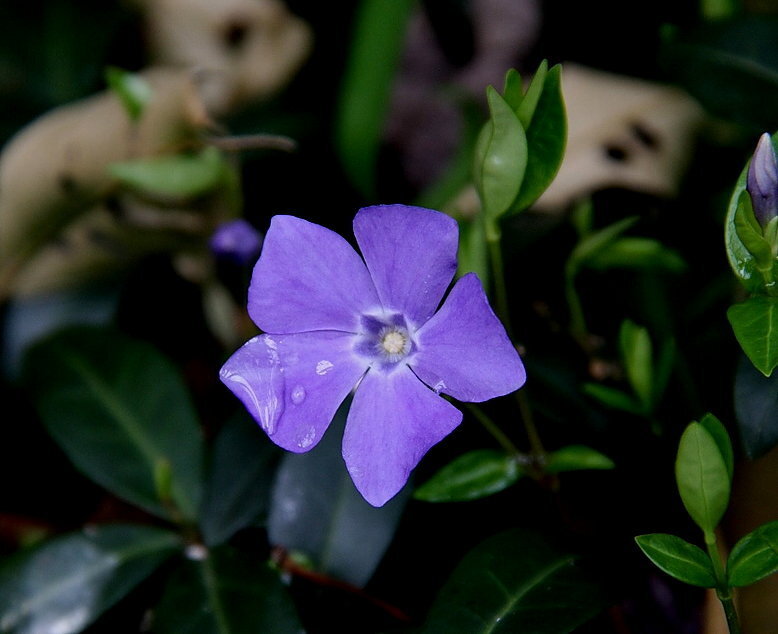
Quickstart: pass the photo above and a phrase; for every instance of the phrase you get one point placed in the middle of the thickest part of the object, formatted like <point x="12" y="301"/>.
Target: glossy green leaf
<point x="64" y="584"/>
<point x="473" y="475"/>
<point x="614" y="398"/>
<point x="376" y="43"/>
<point x="702" y="477"/>
<point x="226" y="592"/>
<point x="720" y="435"/>
<point x="500" y="158"/>
<point x="546" y="140"/>
<point x="316" y="510"/>
<point x="637" y="253"/>
<point x="132" y="90"/>
<point x="750" y="234"/>
<point x="237" y="490"/>
<point x="119" y="410"/>
<point x="576" y="458"/>
<point x="513" y="89"/>
<point x="739" y="223"/>
<point x="756" y="404"/>
<point x="638" y="354"/>
<point x="180" y="176"/>
<point x="678" y="558"/>
<point x="755" y="322"/>
<point x="514" y="582"/>
<point x="754" y="557"/>
<point x="529" y="103"/>
<point x="595" y="242"/>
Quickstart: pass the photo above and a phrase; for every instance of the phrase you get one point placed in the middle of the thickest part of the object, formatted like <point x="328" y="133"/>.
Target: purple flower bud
<point x="762" y="181"/>
<point x="236" y="240"/>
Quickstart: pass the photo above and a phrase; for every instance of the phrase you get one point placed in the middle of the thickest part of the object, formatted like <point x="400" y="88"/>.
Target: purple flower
<point x="334" y="321"/>
<point x="762" y="181"/>
<point x="237" y="240"/>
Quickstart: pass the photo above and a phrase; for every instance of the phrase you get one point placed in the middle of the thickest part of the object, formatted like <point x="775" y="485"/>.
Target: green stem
<point x="492" y="427"/>
<point x="723" y="591"/>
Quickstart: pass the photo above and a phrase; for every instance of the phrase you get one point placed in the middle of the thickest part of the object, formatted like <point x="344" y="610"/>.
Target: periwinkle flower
<point x="236" y="240"/>
<point x="762" y="181"/>
<point x="333" y="322"/>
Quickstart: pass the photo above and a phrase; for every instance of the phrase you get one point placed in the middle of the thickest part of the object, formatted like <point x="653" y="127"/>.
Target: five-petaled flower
<point x="333" y="321"/>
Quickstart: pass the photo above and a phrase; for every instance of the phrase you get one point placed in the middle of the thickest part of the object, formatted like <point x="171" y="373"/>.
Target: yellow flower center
<point x="394" y="342"/>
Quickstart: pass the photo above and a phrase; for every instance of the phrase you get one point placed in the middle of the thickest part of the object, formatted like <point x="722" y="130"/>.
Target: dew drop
<point x="298" y="395"/>
<point x="323" y="366"/>
<point x="439" y="387"/>
<point x="307" y="440"/>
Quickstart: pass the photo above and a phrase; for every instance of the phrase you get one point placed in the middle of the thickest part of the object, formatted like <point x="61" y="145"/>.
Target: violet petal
<point x="293" y="384"/>
<point x="762" y="181"/>
<point x="464" y="350"/>
<point x="393" y="421"/>
<point x="308" y="278"/>
<point x="411" y="253"/>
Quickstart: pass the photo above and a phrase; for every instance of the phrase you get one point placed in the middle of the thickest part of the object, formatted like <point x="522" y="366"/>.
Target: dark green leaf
<point x="64" y="584"/>
<point x="132" y="90"/>
<point x="316" y="510"/>
<point x="755" y="322"/>
<point x="576" y="458"/>
<point x="720" y="436"/>
<point x="473" y="475"/>
<point x="237" y="491"/>
<point x="637" y="253"/>
<point x="120" y="411"/>
<point x="514" y="582"/>
<point x="702" y="477"/>
<point x="663" y="368"/>
<point x="756" y="404"/>
<point x="678" y="558"/>
<point x="500" y="158"/>
<point x="546" y="139"/>
<point x="754" y="557"/>
<point x="614" y="398"/>
<point x="377" y="40"/>
<point x="637" y="352"/>
<point x="181" y="176"/>
<point x="226" y="592"/>
<point x="513" y="89"/>
<point x="593" y="243"/>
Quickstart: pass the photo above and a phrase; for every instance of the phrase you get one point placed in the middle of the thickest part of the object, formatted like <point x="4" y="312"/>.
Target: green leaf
<point x="500" y="158"/>
<point x="225" y="592"/>
<point x="316" y="510"/>
<point x="132" y="90"/>
<point x="119" y="410"/>
<point x="663" y="369"/>
<point x="64" y="584"/>
<point x="750" y="233"/>
<point x="546" y="139"/>
<point x="702" y="477"/>
<point x="514" y="582"/>
<point x="595" y="242"/>
<point x="576" y="458"/>
<point x="181" y="176"/>
<point x="377" y="41"/>
<point x="720" y="436"/>
<point x="756" y="404"/>
<point x="473" y="475"/>
<point x="529" y="103"/>
<point x="513" y="89"/>
<point x="637" y="253"/>
<point x="237" y="491"/>
<point x="614" y="398"/>
<point x="755" y="322"/>
<point x="637" y="352"/>
<point x="678" y="558"/>
<point x="754" y="557"/>
<point x="740" y="223"/>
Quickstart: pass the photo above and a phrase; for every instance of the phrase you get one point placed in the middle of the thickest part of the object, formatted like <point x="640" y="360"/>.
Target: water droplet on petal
<point x="298" y="394"/>
<point x="307" y="440"/>
<point x="323" y="366"/>
<point x="439" y="387"/>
